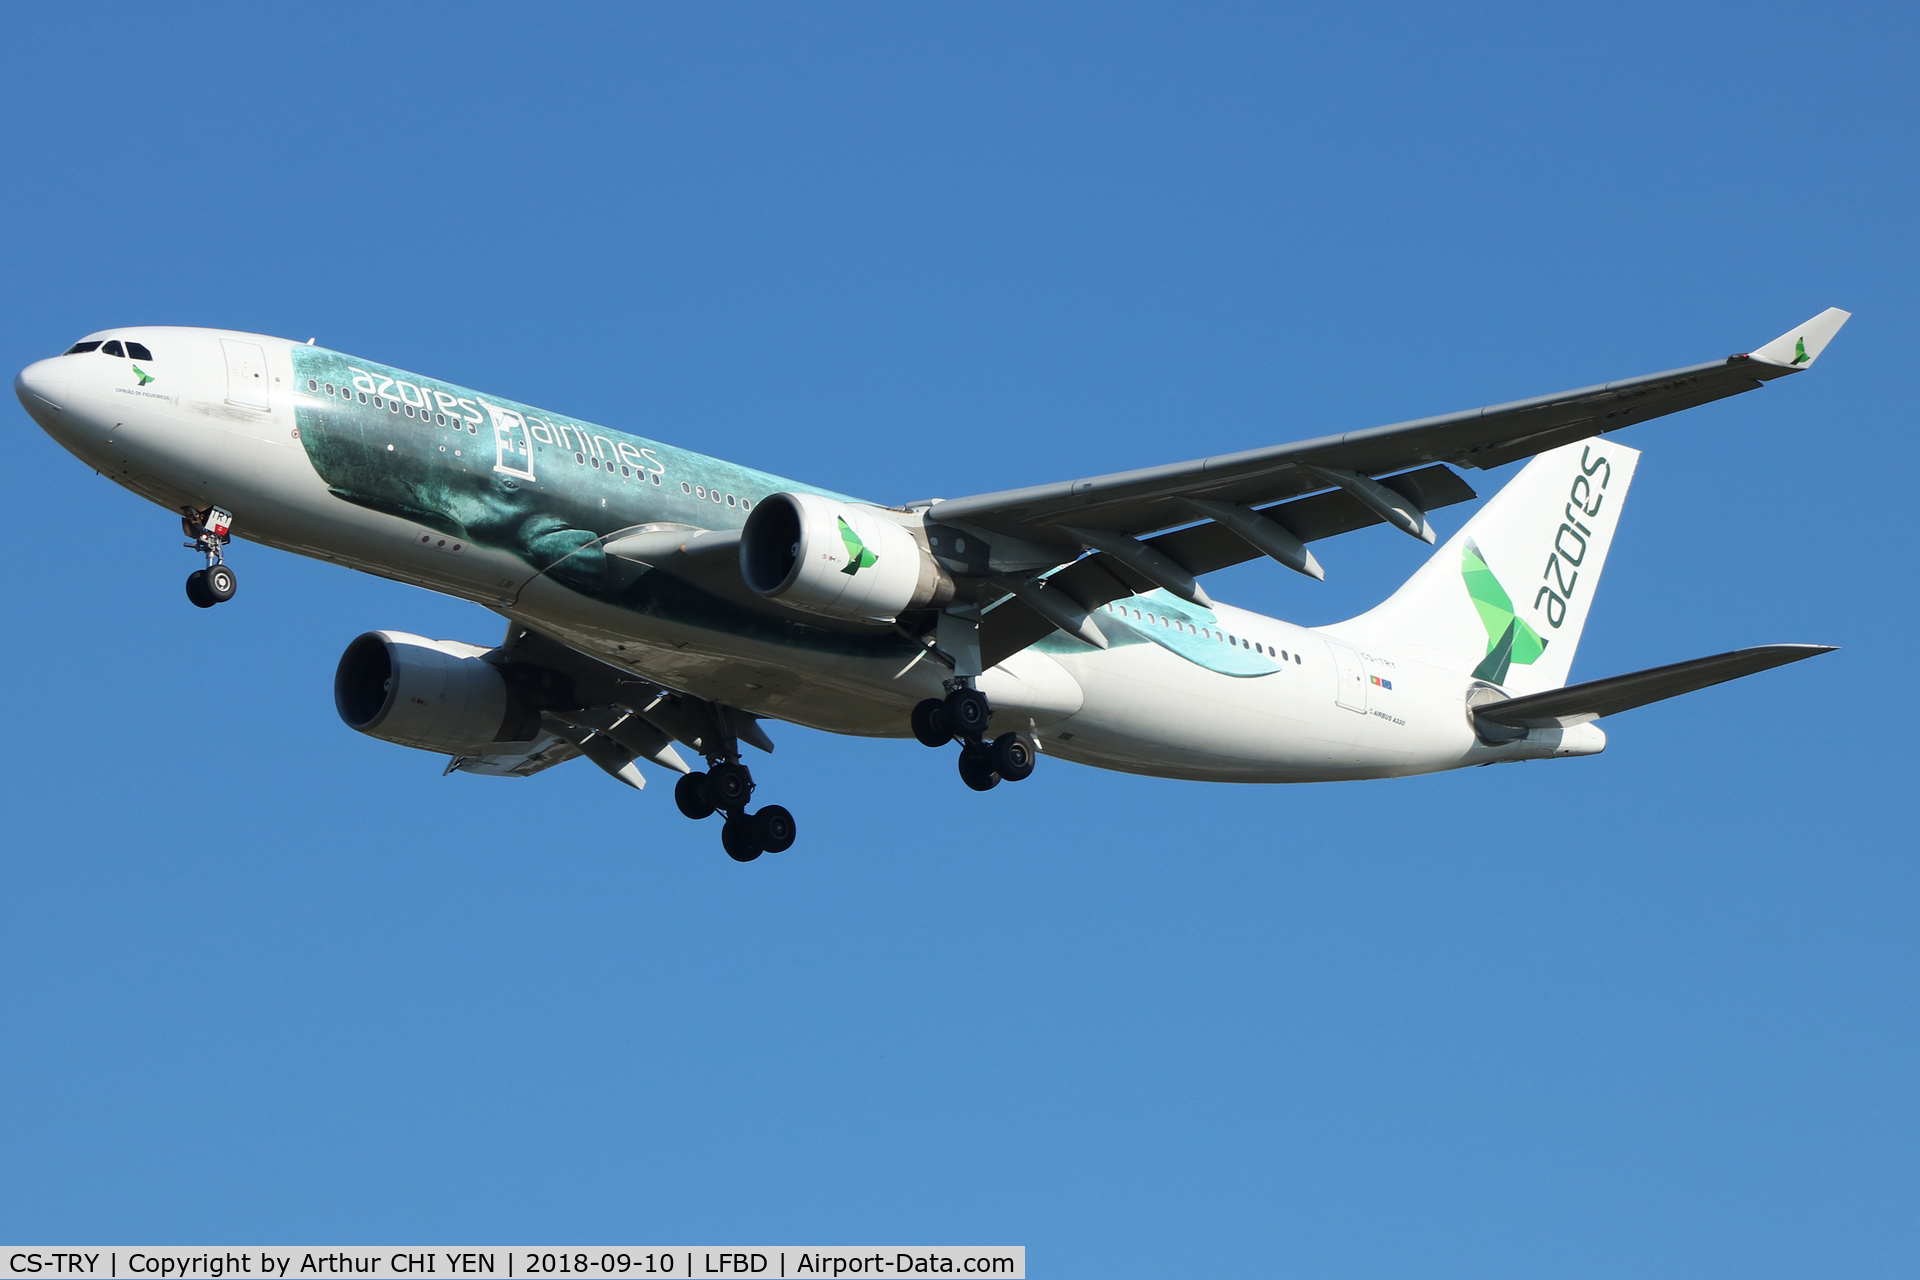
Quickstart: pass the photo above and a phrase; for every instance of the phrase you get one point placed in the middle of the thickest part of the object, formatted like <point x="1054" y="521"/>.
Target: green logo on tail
<point x="1509" y="640"/>
<point x="858" y="556"/>
<point x="143" y="375"/>
<point x="1800" y="355"/>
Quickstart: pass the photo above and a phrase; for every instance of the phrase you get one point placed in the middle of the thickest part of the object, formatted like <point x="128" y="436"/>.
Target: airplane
<point x="656" y="598"/>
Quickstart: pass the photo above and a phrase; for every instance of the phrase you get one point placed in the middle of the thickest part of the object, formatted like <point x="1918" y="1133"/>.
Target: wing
<point x="1140" y="501"/>
<point x="590" y="708"/>
<point x="1032" y="530"/>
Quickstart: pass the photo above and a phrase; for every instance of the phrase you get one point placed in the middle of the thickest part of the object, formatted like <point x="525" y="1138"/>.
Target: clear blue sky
<point x="263" y="979"/>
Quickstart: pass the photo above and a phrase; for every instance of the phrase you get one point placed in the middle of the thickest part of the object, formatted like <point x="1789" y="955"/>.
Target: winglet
<point x="1799" y="348"/>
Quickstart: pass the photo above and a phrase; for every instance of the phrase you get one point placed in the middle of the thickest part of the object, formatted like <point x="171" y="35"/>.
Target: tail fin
<point x="1506" y="598"/>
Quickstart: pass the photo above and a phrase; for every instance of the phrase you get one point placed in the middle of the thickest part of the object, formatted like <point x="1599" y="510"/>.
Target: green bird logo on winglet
<point x="858" y="555"/>
<point x="142" y="374"/>
<point x="1800" y="355"/>
<point x="1509" y="640"/>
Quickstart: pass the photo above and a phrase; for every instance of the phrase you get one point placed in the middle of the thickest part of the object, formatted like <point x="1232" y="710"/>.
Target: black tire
<point x="689" y="795"/>
<point x="727" y="787"/>
<point x="930" y="723"/>
<point x="220" y="583"/>
<point x="197" y="590"/>
<point x="1014" y="755"/>
<point x="775" y="828"/>
<point x="740" y="840"/>
<point x="968" y="713"/>
<point x="976" y="767"/>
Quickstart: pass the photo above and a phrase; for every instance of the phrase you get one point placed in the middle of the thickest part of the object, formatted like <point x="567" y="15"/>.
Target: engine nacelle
<point x="437" y="695"/>
<point x="838" y="559"/>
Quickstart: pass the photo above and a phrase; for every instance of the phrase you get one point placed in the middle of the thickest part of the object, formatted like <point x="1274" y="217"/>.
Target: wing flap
<point x="542" y="752"/>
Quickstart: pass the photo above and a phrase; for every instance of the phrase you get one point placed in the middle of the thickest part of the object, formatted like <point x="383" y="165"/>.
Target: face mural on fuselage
<point x="507" y="475"/>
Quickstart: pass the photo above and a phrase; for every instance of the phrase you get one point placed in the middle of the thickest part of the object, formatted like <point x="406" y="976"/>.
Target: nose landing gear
<point x="214" y="584"/>
<point x="725" y="788"/>
<point x="964" y="714"/>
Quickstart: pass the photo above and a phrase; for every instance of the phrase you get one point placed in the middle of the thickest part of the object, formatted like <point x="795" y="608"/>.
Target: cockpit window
<point x="112" y="349"/>
<point x="138" y="351"/>
<point x="80" y="347"/>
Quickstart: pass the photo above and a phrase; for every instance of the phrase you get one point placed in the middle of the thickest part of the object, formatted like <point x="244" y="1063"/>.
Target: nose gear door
<point x="246" y="373"/>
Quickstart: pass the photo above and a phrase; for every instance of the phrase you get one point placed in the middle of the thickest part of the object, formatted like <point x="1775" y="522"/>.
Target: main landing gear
<point x="964" y="714"/>
<point x="214" y="584"/>
<point x="725" y="788"/>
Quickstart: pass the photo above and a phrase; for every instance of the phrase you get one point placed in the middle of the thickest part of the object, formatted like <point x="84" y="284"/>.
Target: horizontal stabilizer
<point x="1579" y="703"/>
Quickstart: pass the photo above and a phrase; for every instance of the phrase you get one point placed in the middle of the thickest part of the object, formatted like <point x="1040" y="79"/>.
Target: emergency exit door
<point x="246" y="373"/>
<point x="1350" y="678"/>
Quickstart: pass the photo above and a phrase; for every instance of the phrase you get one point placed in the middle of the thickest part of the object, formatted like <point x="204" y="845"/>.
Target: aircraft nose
<point x="41" y="387"/>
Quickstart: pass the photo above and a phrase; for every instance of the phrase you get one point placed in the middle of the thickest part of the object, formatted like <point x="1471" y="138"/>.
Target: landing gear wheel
<point x="740" y="840"/>
<point x="689" y="796"/>
<point x="220" y="583"/>
<point x="967" y="713"/>
<point x="727" y="786"/>
<point x="1013" y="756"/>
<point x="197" y="590"/>
<point x="774" y="827"/>
<point x="930" y="723"/>
<point x="976" y="767"/>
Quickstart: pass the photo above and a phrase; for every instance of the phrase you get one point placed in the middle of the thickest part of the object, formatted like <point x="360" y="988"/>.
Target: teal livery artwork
<point x="501" y="474"/>
<point x="551" y="489"/>
<point x="1183" y="629"/>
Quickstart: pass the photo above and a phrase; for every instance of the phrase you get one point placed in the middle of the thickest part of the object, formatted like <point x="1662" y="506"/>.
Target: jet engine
<point x="437" y="695"/>
<point x="838" y="559"/>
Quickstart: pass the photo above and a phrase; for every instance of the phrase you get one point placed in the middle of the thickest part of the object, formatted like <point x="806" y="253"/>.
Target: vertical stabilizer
<point x="1507" y="597"/>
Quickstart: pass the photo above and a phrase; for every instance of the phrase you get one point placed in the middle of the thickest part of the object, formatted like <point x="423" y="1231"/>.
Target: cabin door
<point x="1350" y="678"/>
<point x="246" y="373"/>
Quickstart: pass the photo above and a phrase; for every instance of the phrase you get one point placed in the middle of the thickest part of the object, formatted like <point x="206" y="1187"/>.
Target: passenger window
<point x="112" y="349"/>
<point x="81" y="348"/>
<point x="138" y="352"/>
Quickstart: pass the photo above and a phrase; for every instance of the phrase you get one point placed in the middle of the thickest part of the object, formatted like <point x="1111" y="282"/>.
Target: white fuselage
<point x="191" y="437"/>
